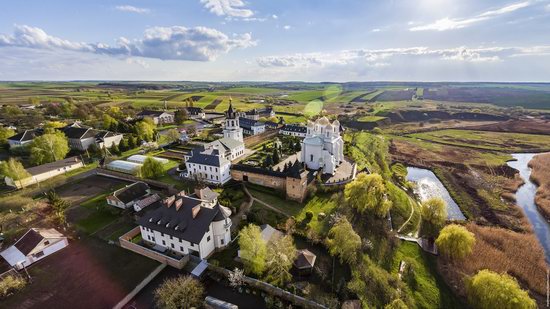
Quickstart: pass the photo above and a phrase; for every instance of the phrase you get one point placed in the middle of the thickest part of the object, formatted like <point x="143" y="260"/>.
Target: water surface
<point x="428" y="186"/>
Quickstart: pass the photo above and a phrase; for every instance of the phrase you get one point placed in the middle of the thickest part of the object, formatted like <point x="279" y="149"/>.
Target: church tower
<point x="232" y="128"/>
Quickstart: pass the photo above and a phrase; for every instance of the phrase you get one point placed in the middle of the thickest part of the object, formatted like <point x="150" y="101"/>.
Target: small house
<point x="23" y="138"/>
<point x="305" y="261"/>
<point x="126" y="197"/>
<point x="45" y="171"/>
<point x="158" y="117"/>
<point x="35" y="245"/>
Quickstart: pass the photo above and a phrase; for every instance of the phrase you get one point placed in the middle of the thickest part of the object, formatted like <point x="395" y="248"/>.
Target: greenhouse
<point x="141" y="158"/>
<point x="124" y="167"/>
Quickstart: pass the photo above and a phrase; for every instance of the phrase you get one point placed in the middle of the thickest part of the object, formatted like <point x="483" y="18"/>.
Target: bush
<point x="11" y="284"/>
<point x="309" y="215"/>
<point x="488" y="289"/>
<point x="180" y="292"/>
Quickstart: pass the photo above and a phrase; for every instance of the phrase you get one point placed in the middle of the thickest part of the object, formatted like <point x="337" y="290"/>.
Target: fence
<point x="159" y="184"/>
<point x="126" y="243"/>
<point x="270" y="289"/>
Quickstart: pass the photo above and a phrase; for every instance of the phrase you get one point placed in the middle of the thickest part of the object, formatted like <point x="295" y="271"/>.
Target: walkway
<point x="252" y="198"/>
<point x="243" y="210"/>
<point x="140" y="286"/>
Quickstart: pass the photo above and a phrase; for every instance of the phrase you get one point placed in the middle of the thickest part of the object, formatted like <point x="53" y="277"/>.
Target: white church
<point x="323" y="147"/>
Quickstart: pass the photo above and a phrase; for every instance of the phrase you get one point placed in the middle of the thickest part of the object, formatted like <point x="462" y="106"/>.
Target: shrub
<point x="455" y="242"/>
<point x="309" y="215"/>
<point x="11" y="284"/>
<point x="488" y="290"/>
<point x="180" y="292"/>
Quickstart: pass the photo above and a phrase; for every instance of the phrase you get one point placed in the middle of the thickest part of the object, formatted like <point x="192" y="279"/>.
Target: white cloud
<point x="230" y="8"/>
<point x="548" y="8"/>
<point x="165" y="43"/>
<point x="384" y="57"/>
<point x="132" y="9"/>
<point x="287" y="27"/>
<point x="376" y="30"/>
<point x="274" y="16"/>
<point x="459" y="23"/>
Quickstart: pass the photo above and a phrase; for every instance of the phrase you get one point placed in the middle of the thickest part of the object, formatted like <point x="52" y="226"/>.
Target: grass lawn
<point x="371" y="118"/>
<point x="497" y="141"/>
<point x="428" y="289"/>
<point x="291" y="208"/>
<point x="318" y="204"/>
<point x="226" y="257"/>
<point x="259" y="214"/>
<point x="100" y="214"/>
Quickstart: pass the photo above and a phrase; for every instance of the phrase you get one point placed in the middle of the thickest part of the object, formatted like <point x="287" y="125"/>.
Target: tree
<point x="396" y="304"/>
<point x="109" y="122"/>
<point x="14" y="170"/>
<point x="10" y="284"/>
<point x="173" y="135"/>
<point x="368" y="192"/>
<point x="281" y="253"/>
<point x="236" y="278"/>
<point x="488" y="289"/>
<point x="343" y="241"/>
<point x="145" y="130"/>
<point x="276" y="157"/>
<point x="58" y="206"/>
<point x="181" y="292"/>
<point x="115" y="149"/>
<point x="191" y="130"/>
<point x="180" y="116"/>
<point x="268" y="161"/>
<point x="253" y="249"/>
<point x="152" y="168"/>
<point x="54" y="125"/>
<point x="455" y="242"/>
<point x="5" y="133"/>
<point x="49" y="147"/>
<point x="124" y="144"/>
<point x="434" y="214"/>
<point x="132" y="142"/>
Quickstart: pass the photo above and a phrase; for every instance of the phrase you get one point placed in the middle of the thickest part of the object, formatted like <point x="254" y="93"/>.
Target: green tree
<point x="434" y="214"/>
<point x="180" y="116"/>
<point x="396" y="304"/>
<point x="280" y="257"/>
<point x="123" y="146"/>
<point x="5" y="133"/>
<point x="14" y="170"/>
<point x="455" y="242"/>
<point x="182" y="292"/>
<point x="173" y="135"/>
<point x="145" y="130"/>
<point x="152" y="168"/>
<point x="115" y="149"/>
<point x="10" y="284"/>
<point x="368" y="193"/>
<point x="58" y="206"/>
<point x="49" y="148"/>
<point x="343" y="241"/>
<point x="109" y="122"/>
<point x="276" y="157"/>
<point x="487" y="290"/>
<point x="253" y="249"/>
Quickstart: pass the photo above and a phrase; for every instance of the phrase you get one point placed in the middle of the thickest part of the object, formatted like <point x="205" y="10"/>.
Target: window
<point x="47" y="242"/>
<point x="161" y="234"/>
<point x="208" y="238"/>
<point x="223" y="241"/>
<point x="153" y="238"/>
<point x="181" y="249"/>
<point x="163" y="242"/>
<point x="172" y="246"/>
<point x="311" y="158"/>
<point x="39" y="254"/>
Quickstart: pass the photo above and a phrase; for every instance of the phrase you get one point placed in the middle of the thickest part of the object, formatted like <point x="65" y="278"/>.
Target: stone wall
<point x="275" y="182"/>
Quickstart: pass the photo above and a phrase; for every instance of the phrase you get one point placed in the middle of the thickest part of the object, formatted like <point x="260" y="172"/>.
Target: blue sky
<point x="276" y="40"/>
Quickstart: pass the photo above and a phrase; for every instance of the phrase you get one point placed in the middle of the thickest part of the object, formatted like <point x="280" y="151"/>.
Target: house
<point x="206" y="195"/>
<point x="208" y="164"/>
<point x="146" y="202"/>
<point x="158" y="117"/>
<point x="184" y="225"/>
<point x="293" y="130"/>
<point x="256" y="114"/>
<point x="305" y="261"/>
<point x="195" y="112"/>
<point x="230" y="148"/>
<point x="323" y="147"/>
<point x="81" y="138"/>
<point x="126" y="197"/>
<point x="251" y="127"/>
<point x="35" y="245"/>
<point x="45" y="171"/>
<point x="23" y="138"/>
<point x="271" y="125"/>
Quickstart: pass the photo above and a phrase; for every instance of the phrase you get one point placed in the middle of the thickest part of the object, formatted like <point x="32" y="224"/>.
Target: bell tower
<point x="231" y="127"/>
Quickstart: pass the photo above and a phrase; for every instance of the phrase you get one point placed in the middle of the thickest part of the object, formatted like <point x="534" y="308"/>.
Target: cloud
<point x="274" y="16"/>
<point x="446" y="23"/>
<point x="165" y="43"/>
<point x="376" y="30"/>
<point x="132" y="9"/>
<point x="384" y="57"/>
<point x="230" y="8"/>
<point x="287" y="27"/>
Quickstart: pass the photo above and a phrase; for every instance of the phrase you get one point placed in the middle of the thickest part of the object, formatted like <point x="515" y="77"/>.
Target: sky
<point x="276" y="40"/>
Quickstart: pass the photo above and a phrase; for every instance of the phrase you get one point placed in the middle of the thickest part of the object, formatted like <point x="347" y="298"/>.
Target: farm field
<point x="499" y="141"/>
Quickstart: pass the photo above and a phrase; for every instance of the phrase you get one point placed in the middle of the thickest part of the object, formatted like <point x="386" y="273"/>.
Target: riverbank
<point x="540" y="175"/>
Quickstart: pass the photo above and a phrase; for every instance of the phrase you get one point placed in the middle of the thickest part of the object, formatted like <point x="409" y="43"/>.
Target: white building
<point x="251" y="127"/>
<point x="323" y="147"/>
<point x="126" y="197"/>
<point x="126" y="167"/>
<point x="45" y="171"/>
<point x="22" y="139"/>
<point x="208" y="164"/>
<point x="231" y="127"/>
<point x="81" y="138"/>
<point x="35" y="245"/>
<point x="185" y="225"/>
<point x="293" y="130"/>
<point x="158" y="117"/>
<point x="141" y="159"/>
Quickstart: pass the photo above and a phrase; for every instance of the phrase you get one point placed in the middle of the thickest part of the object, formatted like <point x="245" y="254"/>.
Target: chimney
<point x="178" y="204"/>
<point x="182" y="193"/>
<point x="196" y="210"/>
<point x="169" y="201"/>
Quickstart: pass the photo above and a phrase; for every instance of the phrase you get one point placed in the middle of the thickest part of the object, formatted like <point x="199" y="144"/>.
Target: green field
<point x="498" y="141"/>
<point x="369" y="118"/>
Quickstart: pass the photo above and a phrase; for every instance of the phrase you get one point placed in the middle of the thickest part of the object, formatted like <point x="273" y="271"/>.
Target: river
<point x="428" y="186"/>
<point x="525" y="198"/>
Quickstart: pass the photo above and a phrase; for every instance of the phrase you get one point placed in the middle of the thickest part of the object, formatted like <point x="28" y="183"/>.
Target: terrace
<point x="132" y="241"/>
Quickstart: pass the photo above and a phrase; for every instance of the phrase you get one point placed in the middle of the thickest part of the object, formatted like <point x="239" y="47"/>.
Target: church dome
<point x="323" y="121"/>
